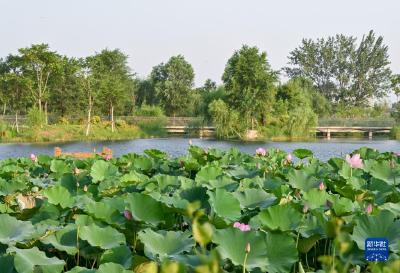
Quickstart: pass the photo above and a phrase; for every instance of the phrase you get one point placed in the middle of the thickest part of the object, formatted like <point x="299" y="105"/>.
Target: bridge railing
<point x="343" y="122"/>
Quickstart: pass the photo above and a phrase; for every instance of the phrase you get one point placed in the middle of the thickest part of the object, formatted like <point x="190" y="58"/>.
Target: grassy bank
<point x="60" y="133"/>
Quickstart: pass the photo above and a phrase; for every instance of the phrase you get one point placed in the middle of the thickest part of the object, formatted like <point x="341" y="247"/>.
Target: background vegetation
<point x="328" y="77"/>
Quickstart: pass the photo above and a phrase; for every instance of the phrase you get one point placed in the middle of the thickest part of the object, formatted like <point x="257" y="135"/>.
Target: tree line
<point x="326" y="76"/>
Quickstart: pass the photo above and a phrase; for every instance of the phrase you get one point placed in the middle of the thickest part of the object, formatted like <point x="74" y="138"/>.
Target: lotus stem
<point x="244" y="262"/>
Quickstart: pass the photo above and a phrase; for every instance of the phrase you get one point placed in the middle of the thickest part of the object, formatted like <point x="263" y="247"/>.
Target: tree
<point x="14" y="86"/>
<point x="113" y="80"/>
<point x="173" y="83"/>
<point x="146" y="93"/>
<point x="250" y="83"/>
<point x="67" y="97"/>
<point x="343" y="71"/>
<point x="395" y="84"/>
<point x="38" y="64"/>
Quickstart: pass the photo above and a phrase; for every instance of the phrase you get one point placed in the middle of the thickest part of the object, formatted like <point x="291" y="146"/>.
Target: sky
<point x="206" y="32"/>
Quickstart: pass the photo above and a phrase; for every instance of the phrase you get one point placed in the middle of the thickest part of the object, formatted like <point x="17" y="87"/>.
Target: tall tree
<point x="342" y="70"/>
<point x="113" y="80"/>
<point x="173" y="83"/>
<point x="38" y="65"/>
<point x="250" y="83"/>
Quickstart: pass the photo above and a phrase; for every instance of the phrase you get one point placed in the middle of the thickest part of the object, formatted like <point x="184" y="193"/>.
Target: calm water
<point x="322" y="148"/>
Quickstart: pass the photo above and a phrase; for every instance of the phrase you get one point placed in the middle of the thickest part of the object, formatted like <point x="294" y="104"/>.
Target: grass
<point x="60" y="133"/>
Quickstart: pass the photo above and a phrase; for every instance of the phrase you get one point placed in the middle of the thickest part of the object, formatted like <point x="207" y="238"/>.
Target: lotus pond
<point x="206" y="212"/>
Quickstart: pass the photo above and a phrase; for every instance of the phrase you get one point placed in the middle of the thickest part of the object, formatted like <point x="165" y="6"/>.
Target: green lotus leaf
<point x="208" y="173"/>
<point x="59" y="167"/>
<point x="254" y="198"/>
<point x="156" y="154"/>
<point x="64" y="239"/>
<point x="105" y="212"/>
<point x="13" y="230"/>
<point x="58" y="195"/>
<point x="12" y="186"/>
<point x="302" y="179"/>
<point x="165" y="244"/>
<point x="281" y="253"/>
<point x="232" y="244"/>
<point x="145" y="208"/>
<point x="302" y="153"/>
<point x="112" y="268"/>
<point x="79" y="269"/>
<point x="105" y="238"/>
<point x="33" y="260"/>
<point x="282" y="217"/>
<point x="392" y="207"/>
<point x="7" y="264"/>
<point x="133" y="177"/>
<point x="120" y="255"/>
<point x="341" y="205"/>
<point x="102" y="170"/>
<point x="316" y="198"/>
<point x="225" y="204"/>
<point x="383" y="171"/>
<point x="166" y="182"/>
<point x="382" y="225"/>
<point x="143" y="163"/>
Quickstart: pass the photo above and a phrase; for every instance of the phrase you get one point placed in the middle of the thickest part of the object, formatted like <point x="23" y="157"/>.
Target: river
<point x="322" y="148"/>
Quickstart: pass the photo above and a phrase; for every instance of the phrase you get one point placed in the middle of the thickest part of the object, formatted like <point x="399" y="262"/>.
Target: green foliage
<point x="227" y="122"/>
<point x="249" y="83"/>
<point x="343" y="71"/>
<point x="36" y="117"/>
<point x="143" y="213"/>
<point x="149" y="111"/>
<point x="173" y="82"/>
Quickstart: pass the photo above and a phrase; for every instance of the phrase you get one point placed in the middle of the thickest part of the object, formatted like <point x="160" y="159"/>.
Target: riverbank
<point x="67" y="133"/>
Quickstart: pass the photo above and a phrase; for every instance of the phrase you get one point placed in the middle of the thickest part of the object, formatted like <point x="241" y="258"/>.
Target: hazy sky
<point x="206" y="32"/>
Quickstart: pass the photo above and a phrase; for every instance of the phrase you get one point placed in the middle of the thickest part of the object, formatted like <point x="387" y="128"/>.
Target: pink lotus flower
<point x="289" y="157"/>
<point x="354" y="161"/>
<point x="33" y="157"/>
<point x="107" y="157"/>
<point x="321" y="186"/>
<point x="369" y="208"/>
<point x="128" y="215"/>
<point x="241" y="226"/>
<point x="261" y="152"/>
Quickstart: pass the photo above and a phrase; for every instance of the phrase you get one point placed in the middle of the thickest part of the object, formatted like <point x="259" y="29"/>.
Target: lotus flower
<point x="261" y="152"/>
<point x="107" y="157"/>
<point x="128" y="215"/>
<point x="321" y="186"/>
<point x="85" y="188"/>
<point x="369" y="208"/>
<point x="354" y="161"/>
<point x="190" y="142"/>
<point x="33" y="157"/>
<point x="241" y="226"/>
<point x="289" y="157"/>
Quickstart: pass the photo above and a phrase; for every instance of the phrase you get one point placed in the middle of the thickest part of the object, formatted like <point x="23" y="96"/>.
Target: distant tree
<point x="250" y="83"/>
<point x="146" y="93"/>
<point x="67" y="96"/>
<point x="38" y="64"/>
<point x="209" y="86"/>
<point x="14" y="86"/>
<point x="343" y="71"/>
<point x="395" y="84"/>
<point x="173" y="83"/>
<point x="113" y="80"/>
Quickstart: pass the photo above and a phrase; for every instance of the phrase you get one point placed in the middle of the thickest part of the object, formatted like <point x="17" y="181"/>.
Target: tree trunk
<point x="4" y="109"/>
<point x="16" y="122"/>
<point x="112" y="118"/>
<point x="40" y="105"/>
<point x="89" y="117"/>
<point x="46" y="118"/>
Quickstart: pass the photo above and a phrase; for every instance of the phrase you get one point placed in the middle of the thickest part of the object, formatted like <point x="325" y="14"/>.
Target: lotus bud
<point x="247" y="249"/>
<point x="369" y="208"/>
<point x="85" y="188"/>
<point x="306" y="208"/>
<point x="77" y="171"/>
<point x="289" y="158"/>
<point x="128" y="215"/>
<point x="190" y="142"/>
<point x="33" y="157"/>
<point x="321" y="186"/>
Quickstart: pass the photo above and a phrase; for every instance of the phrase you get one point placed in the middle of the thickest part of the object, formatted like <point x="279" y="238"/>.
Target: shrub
<point x="36" y="117"/>
<point x="96" y="120"/>
<point x="63" y="121"/>
<point x="121" y="123"/>
<point x="154" y="128"/>
<point x="149" y="111"/>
